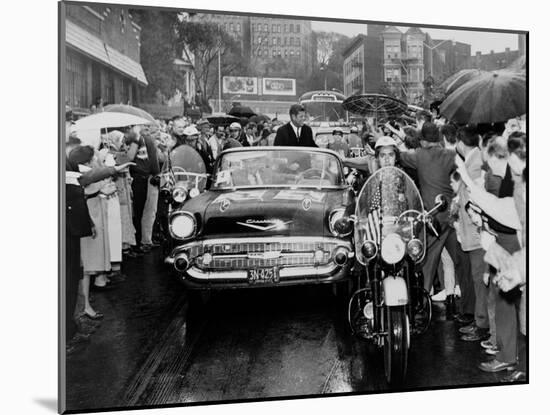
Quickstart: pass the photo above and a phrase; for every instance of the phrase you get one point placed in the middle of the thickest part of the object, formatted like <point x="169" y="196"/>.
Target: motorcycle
<point x="184" y="177"/>
<point x="389" y="228"/>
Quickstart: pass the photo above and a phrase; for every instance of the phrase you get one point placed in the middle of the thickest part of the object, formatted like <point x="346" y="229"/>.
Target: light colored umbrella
<point x="129" y="109"/>
<point x="491" y="97"/>
<point x="102" y="120"/>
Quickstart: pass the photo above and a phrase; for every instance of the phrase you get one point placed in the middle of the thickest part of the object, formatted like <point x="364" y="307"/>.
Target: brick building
<point x="363" y="62"/>
<point x="102" y="56"/>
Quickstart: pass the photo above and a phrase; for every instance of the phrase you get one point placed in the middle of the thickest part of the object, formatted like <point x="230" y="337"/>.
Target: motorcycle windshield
<point x="185" y="159"/>
<point x="389" y="203"/>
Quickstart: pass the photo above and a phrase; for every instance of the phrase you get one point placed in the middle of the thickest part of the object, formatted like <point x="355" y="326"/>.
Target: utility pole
<point x="219" y="82"/>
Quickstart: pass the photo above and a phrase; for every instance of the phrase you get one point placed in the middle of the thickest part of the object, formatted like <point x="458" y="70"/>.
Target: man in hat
<point x="191" y="135"/>
<point x="231" y="140"/>
<point x="338" y="144"/>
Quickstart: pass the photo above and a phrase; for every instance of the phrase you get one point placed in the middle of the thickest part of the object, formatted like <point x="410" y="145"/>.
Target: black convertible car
<point x="267" y="219"/>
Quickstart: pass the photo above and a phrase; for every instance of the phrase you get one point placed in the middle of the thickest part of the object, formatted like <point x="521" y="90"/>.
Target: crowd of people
<point x="477" y="260"/>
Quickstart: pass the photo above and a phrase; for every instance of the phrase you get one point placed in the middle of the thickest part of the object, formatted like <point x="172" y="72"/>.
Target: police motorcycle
<point x="183" y="177"/>
<point x="389" y="228"/>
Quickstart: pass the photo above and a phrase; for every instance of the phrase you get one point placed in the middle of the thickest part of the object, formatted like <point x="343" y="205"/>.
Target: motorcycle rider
<point x="191" y="138"/>
<point x="386" y="153"/>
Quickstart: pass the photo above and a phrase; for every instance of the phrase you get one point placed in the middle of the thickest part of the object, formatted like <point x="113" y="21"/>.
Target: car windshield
<point x="278" y="168"/>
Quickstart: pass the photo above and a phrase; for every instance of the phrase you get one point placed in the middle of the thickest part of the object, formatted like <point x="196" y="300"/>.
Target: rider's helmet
<point x="384" y="143"/>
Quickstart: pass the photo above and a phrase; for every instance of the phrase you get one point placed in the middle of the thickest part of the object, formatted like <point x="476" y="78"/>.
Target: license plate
<point x="263" y="276"/>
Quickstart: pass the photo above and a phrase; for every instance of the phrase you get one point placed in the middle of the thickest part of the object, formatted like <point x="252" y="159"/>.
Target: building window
<point x="279" y="52"/>
<point x="279" y="41"/>
<point x="297" y="28"/>
<point x="274" y="53"/>
<point x="238" y="27"/>
<point x="286" y="28"/>
<point x="230" y="27"/>
<point x="265" y="27"/>
<point x="297" y="53"/>
<point x="273" y="41"/>
<point x="286" y="53"/>
<point x="122" y="22"/>
<point x="274" y="28"/>
<point x="285" y="41"/>
<point x="291" y="41"/>
<point x="76" y="81"/>
<point x="298" y="43"/>
<point x="279" y="28"/>
<point x="291" y="28"/>
<point x="291" y="53"/>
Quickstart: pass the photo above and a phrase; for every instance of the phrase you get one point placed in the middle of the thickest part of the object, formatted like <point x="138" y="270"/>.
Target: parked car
<point x="267" y="219"/>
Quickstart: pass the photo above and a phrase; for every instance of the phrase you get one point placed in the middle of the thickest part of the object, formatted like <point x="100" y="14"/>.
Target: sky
<point x="480" y="41"/>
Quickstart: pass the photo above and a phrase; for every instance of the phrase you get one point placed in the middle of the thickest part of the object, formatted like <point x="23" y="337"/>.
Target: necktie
<point x="298" y="134"/>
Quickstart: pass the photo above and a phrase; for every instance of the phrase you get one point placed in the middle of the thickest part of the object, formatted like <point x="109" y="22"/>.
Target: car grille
<point x="241" y="255"/>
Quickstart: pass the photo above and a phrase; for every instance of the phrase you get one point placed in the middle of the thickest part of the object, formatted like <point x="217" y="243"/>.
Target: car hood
<point x="266" y="212"/>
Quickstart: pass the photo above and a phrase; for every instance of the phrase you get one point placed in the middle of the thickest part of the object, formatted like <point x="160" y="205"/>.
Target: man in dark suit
<point x="295" y="133"/>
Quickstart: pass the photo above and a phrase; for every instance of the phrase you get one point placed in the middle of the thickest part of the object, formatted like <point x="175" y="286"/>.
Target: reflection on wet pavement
<point x="155" y="347"/>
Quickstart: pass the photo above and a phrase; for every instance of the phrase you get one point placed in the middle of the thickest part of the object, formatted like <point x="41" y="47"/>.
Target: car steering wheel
<point x="313" y="173"/>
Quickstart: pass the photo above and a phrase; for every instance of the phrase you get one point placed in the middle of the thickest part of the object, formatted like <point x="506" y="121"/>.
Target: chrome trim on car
<point x="313" y="272"/>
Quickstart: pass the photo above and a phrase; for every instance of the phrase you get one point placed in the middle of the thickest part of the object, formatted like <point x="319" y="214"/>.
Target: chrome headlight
<point x="182" y="225"/>
<point x="179" y="194"/>
<point x="194" y="192"/>
<point x="369" y="249"/>
<point x="338" y="224"/>
<point x="392" y="249"/>
<point x="415" y="249"/>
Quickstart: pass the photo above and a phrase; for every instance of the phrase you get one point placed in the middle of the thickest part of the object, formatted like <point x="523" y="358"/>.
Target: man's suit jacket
<point x="287" y="137"/>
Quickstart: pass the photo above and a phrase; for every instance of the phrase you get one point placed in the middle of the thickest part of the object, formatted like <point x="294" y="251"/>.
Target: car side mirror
<point x="441" y="202"/>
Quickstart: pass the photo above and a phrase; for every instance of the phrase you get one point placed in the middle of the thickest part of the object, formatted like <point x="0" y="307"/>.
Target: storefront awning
<point x="94" y="47"/>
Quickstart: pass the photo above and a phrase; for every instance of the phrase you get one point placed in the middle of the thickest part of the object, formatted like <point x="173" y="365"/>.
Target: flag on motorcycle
<point x="373" y="219"/>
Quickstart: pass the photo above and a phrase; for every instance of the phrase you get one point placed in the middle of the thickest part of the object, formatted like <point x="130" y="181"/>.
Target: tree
<point x="204" y="40"/>
<point x="330" y="60"/>
<point x="158" y="51"/>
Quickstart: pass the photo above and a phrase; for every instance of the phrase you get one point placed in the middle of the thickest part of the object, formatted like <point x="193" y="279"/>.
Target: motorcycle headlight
<point x="182" y="225"/>
<point x="415" y="248"/>
<point x="194" y="192"/>
<point x="179" y="194"/>
<point x="392" y="249"/>
<point x="369" y="250"/>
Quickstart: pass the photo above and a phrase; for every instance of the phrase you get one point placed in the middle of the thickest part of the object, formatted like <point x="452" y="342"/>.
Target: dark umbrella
<point x="491" y="97"/>
<point x="128" y="109"/>
<point x="242" y="111"/>
<point x="375" y="105"/>
<point x="455" y="81"/>
<point x="259" y="118"/>
<point x="222" y="119"/>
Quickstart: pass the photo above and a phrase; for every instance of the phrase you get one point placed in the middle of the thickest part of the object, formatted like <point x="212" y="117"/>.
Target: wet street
<point x="156" y="347"/>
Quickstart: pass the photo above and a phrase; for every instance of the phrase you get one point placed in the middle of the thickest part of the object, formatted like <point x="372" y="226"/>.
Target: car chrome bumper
<point x="196" y="277"/>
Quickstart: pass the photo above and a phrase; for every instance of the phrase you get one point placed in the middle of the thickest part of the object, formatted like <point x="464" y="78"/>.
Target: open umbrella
<point x="241" y="111"/>
<point x="491" y="97"/>
<point x="101" y="120"/>
<point x="222" y="119"/>
<point x="375" y="105"/>
<point x="455" y="81"/>
<point x="128" y="109"/>
<point x="259" y="118"/>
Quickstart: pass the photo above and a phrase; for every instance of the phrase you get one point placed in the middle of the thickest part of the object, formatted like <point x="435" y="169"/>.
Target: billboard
<point x="279" y="86"/>
<point x="240" y="85"/>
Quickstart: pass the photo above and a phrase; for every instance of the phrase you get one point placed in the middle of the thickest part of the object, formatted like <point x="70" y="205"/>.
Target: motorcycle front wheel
<point x="396" y="344"/>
